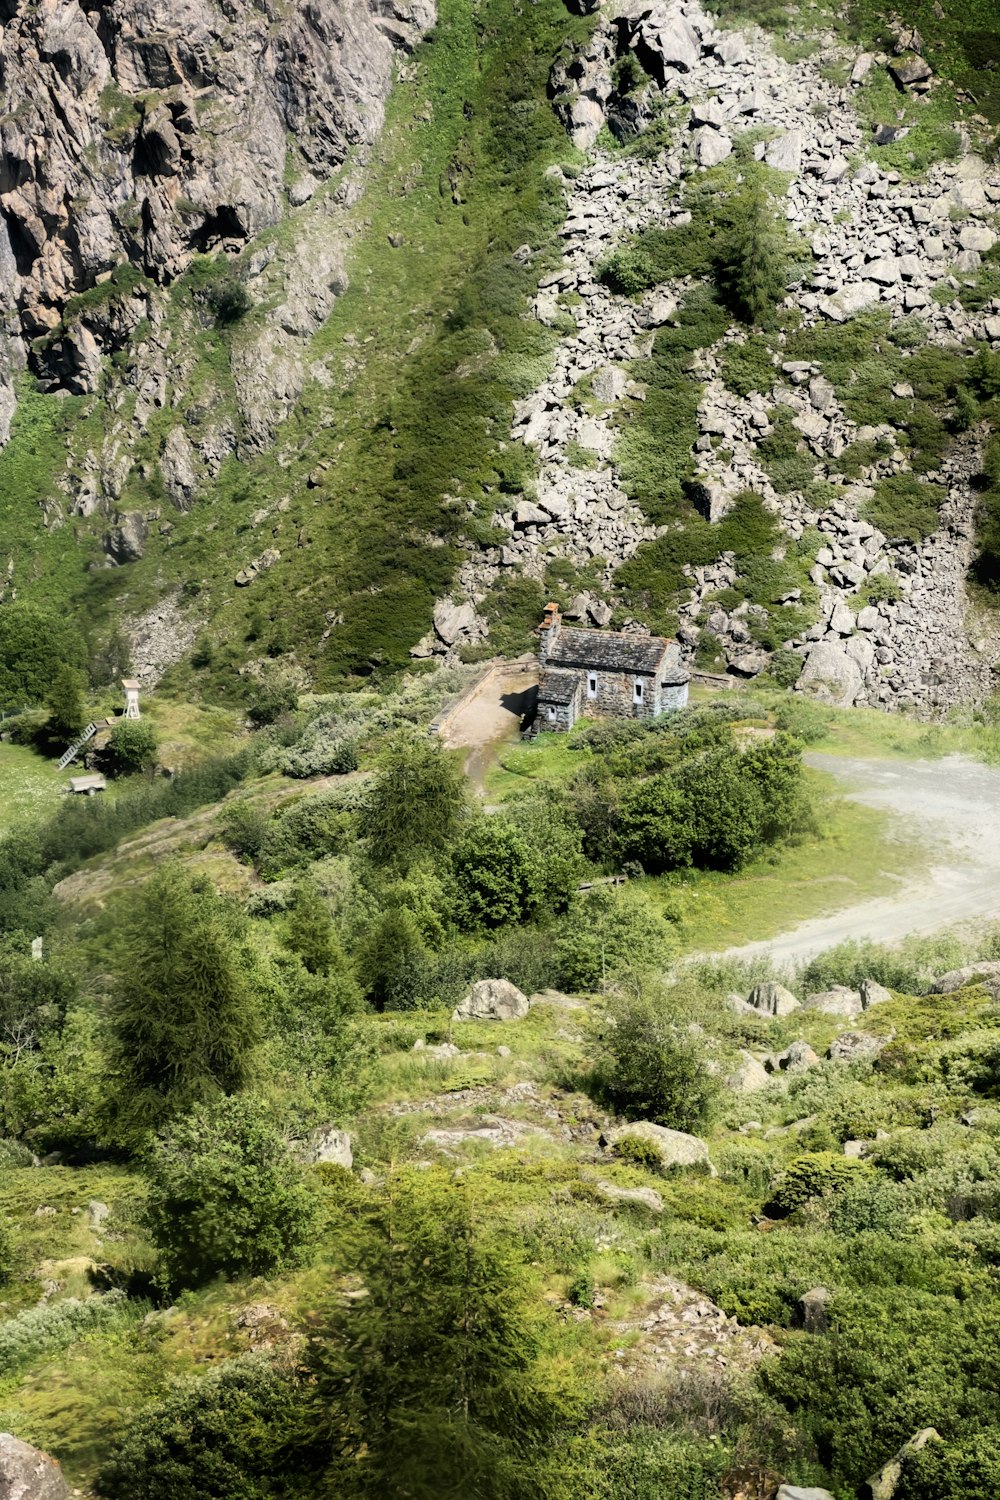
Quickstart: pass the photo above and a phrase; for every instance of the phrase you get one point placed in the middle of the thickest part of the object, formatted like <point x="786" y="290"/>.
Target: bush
<point x="651" y="1070"/>
<point x="40" y="1330"/>
<point x="132" y="746"/>
<point x="35" y="645"/>
<point x="638" y="1153"/>
<point x="809" y="1177"/>
<point x="612" y="933"/>
<point x="229" y="301"/>
<point x="225" y="1197"/>
<point x="416" y="805"/>
<point x="502" y="875"/>
<point x="786" y="667"/>
<point x="224" y="1434"/>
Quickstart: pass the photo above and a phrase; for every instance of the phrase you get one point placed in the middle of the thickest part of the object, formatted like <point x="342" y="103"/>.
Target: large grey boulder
<point x="873" y="993"/>
<point x="27" y="1473"/>
<point x="797" y="1058"/>
<point x="749" y="1076"/>
<point x="814" y="1309"/>
<point x="772" y="998"/>
<point x="666" y="39"/>
<point x="855" y="1046"/>
<point x="454" y="620"/>
<point x="883" y="1485"/>
<point x="674" y="1147"/>
<point x="801" y="1492"/>
<point x="710" y="147"/>
<point x="327" y="1144"/>
<point x="644" y="1197"/>
<point x="957" y="979"/>
<point x="785" y="153"/>
<point x="492" y="1000"/>
<point x="830" y="675"/>
<point x="837" y="1001"/>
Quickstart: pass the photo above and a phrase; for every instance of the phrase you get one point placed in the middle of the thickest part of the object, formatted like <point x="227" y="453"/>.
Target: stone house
<point x="605" y="672"/>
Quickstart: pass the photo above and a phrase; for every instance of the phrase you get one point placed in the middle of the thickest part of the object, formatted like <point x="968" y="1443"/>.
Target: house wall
<point x="674" y="697"/>
<point x="614" y="695"/>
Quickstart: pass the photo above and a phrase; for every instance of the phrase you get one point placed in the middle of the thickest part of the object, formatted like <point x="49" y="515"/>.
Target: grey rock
<point x="801" y="1492"/>
<point x="831" y="675"/>
<point x="710" y="147"/>
<point x="27" y="1473"/>
<point x="97" y="1212"/>
<point x="855" y="1046"/>
<point x="814" y="1309"/>
<point x="675" y="1147"/>
<point x="957" y="979"/>
<point x="862" y="67"/>
<point x="883" y="1485"/>
<point x="785" y="153"/>
<point x="126" y="542"/>
<point x="749" y="1076"/>
<point x="873" y="993"/>
<point x="492" y="1000"/>
<point x="451" y="621"/>
<point x="645" y="1197"/>
<point x="837" y="1001"/>
<point x="327" y="1144"/>
<point x="772" y="998"/>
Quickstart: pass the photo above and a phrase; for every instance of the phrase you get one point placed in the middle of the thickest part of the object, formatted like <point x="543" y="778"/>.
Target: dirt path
<point x="952" y="807"/>
<point x="488" y="718"/>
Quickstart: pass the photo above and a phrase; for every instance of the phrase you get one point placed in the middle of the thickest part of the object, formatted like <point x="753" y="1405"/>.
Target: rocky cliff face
<point x="137" y="133"/>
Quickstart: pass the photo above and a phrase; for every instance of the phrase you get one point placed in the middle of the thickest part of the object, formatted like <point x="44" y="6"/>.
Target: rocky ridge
<point x="875" y="241"/>
<point x="137" y="135"/>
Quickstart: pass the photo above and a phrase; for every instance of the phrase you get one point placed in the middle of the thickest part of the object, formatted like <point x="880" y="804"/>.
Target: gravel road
<point x="952" y="808"/>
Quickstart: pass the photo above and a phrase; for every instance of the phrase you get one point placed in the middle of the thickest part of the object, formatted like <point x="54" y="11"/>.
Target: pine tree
<point x="432" y="1386"/>
<point x="184" y="1016"/>
<point x="753" y="263"/>
<point x="65" y="703"/>
<point x="416" y="805"/>
<point x="310" y="932"/>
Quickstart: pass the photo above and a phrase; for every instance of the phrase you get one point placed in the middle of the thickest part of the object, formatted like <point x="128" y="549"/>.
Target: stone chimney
<point x="548" y="630"/>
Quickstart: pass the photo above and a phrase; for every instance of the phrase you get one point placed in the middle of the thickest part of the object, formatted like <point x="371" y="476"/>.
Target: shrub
<point x="229" y="300"/>
<point x="905" y="507"/>
<point x="416" y="804"/>
<point x="132" y="746"/>
<point x="503" y="875"/>
<point x="967" y="1470"/>
<point x="609" y="934"/>
<point x="786" y="667"/>
<point x="809" y="1177"/>
<point x="35" y="645"/>
<point x="638" y="1153"/>
<point x="270" y="697"/>
<point x="55" y="1325"/>
<point x="651" y="1070"/>
<point x="226" y="1433"/>
<point x="747" y="367"/>
<point x="225" y="1197"/>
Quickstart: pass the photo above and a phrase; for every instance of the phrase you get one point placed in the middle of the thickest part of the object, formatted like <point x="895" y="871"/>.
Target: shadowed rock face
<point x="148" y="130"/>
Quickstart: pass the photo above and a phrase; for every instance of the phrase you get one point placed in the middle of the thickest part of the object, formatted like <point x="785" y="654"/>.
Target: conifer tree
<point x="184" y="1016"/>
<point x="415" y="806"/>
<point x="433" y="1385"/>
<point x="65" y="703"/>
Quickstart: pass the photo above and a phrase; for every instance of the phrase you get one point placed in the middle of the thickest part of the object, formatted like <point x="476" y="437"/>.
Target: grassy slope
<point x="425" y="354"/>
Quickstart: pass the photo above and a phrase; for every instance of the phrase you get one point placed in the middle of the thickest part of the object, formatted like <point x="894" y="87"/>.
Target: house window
<point x="637" y="690"/>
<point x="591" y="685"/>
<point x="551" y="713"/>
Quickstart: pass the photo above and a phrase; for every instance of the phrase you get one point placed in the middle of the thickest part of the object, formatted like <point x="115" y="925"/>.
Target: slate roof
<point x="557" y="687"/>
<point x="608" y="651"/>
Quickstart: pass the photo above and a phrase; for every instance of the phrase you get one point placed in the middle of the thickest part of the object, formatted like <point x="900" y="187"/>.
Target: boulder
<point x="848" y="300"/>
<point x="645" y="1197"/>
<point x="126" y="542"/>
<point x="710" y="147"/>
<point x="801" y="1492"/>
<point x="772" y="998"/>
<point x="831" y="675"/>
<point x="609" y="383"/>
<point x="882" y="1486"/>
<point x="862" y="67"/>
<point x="957" y="979"/>
<point x="750" y="1075"/>
<point x="873" y="993"/>
<point x="674" y="1147"/>
<point x="837" y="1001"/>
<point x="666" y="39"/>
<point x="785" y="153"/>
<point x="492" y="1000"/>
<point x="27" y="1473"/>
<point x="454" y="620"/>
<point x="855" y="1046"/>
<point x="327" y="1144"/>
<point x="813" y="1309"/>
<point x="796" y="1058"/>
<point x="910" y="70"/>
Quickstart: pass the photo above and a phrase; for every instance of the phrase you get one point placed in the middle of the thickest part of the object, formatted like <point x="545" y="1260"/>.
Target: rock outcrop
<point x="27" y="1473"/>
<point x="492" y="1000"/>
